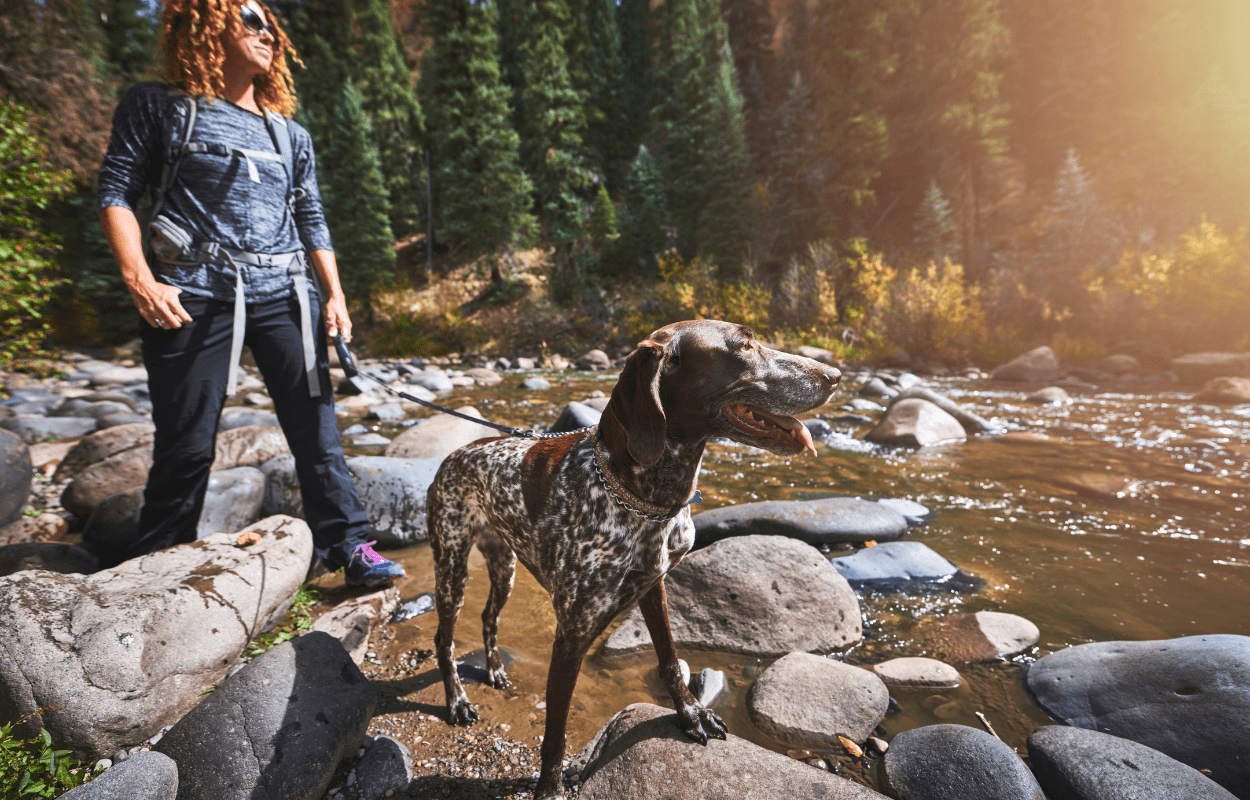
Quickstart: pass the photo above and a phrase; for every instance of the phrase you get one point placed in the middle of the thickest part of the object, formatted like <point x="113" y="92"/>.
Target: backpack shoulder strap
<point x="280" y="132"/>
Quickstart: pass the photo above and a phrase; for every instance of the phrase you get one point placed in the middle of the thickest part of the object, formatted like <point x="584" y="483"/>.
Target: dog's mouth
<point x="774" y="432"/>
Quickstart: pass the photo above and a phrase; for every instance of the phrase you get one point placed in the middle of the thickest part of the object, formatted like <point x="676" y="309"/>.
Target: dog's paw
<point x="700" y="723"/>
<point x="462" y="712"/>
<point x="498" y="678"/>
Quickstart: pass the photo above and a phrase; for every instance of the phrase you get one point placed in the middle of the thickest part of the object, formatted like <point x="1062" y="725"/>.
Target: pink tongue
<point x="805" y="436"/>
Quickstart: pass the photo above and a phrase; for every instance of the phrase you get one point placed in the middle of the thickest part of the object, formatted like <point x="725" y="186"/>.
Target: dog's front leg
<point x="694" y="717"/>
<point x="566" y="664"/>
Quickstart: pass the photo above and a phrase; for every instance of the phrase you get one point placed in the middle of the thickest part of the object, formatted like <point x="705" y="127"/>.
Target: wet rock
<point x="862" y="404"/>
<point x="282" y="495"/>
<point x="818" y="354"/>
<point x="755" y="595"/>
<point x="386" y="766"/>
<point x="826" y="521"/>
<point x="972" y="423"/>
<point x="1087" y="765"/>
<point x="1188" y="698"/>
<point x="387" y="412"/>
<point x="91" y="366"/>
<point x="118" y="375"/>
<point x="1202" y="367"/>
<point x="126" y="651"/>
<point x="434" y="380"/>
<point x="92" y="410"/>
<point x="1225" y="391"/>
<point x="353" y="620"/>
<point x="33" y="429"/>
<point x="119" y="472"/>
<point x="232" y="502"/>
<point x="249" y="446"/>
<point x="1036" y="366"/>
<point x="1120" y="365"/>
<point x="16" y="476"/>
<point x="393" y="491"/>
<point x="915" y="513"/>
<point x="955" y="762"/>
<point x="535" y="384"/>
<point x="370" y="440"/>
<point x="34" y="408"/>
<point x="354" y="386"/>
<point x="983" y="636"/>
<point x="708" y="686"/>
<point x="482" y="376"/>
<point x="576" y="416"/>
<point x="353" y="430"/>
<point x="42" y="528"/>
<point x="818" y="428"/>
<point x="242" y="417"/>
<point x="917" y="673"/>
<point x="121" y="418"/>
<point x="808" y="701"/>
<point x="915" y="423"/>
<point x="114" y="524"/>
<point x="142" y="776"/>
<point x="439" y="435"/>
<point x="907" y="380"/>
<point x="46" y="457"/>
<point x="102" y="444"/>
<point x="593" y="360"/>
<point x="598" y="401"/>
<point x="421" y="604"/>
<point x="50" y="556"/>
<point x="246" y="740"/>
<point x="1050" y="396"/>
<point x="895" y="567"/>
<point x="877" y="388"/>
<point x="643" y="754"/>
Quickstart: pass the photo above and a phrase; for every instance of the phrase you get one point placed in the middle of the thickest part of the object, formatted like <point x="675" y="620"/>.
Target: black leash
<point x="348" y="362"/>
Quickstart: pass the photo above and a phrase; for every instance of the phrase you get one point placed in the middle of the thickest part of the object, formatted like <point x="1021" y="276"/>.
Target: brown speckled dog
<point x="599" y="517"/>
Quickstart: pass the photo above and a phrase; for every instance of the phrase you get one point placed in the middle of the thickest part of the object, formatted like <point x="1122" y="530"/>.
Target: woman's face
<point x="251" y="51"/>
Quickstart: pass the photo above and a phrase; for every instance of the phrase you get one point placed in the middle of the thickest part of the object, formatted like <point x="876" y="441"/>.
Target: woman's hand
<point x="157" y="302"/>
<point x="159" y="305"/>
<point x="336" y="317"/>
<point x="336" y="302"/>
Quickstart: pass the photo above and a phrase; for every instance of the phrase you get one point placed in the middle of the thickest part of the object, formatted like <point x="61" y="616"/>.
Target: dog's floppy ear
<point x="636" y="403"/>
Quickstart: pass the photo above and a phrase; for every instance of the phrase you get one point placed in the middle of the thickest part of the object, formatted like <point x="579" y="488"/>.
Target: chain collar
<point x="628" y="500"/>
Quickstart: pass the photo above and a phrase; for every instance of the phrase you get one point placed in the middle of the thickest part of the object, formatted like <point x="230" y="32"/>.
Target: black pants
<point x="187" y="378"/>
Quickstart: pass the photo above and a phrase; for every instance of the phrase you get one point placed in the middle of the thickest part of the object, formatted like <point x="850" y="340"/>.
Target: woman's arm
<point x="157" y="302"/>
<point x="336" y="302"/>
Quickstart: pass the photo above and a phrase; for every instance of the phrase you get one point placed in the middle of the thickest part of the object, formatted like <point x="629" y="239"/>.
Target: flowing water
<point x="1121" y="516"/>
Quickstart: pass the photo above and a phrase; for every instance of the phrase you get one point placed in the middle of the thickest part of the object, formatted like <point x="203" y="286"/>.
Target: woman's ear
<point x="636" y="403"/>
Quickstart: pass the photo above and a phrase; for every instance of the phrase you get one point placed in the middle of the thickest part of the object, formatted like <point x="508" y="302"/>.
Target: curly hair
<point x="193" y="52"/>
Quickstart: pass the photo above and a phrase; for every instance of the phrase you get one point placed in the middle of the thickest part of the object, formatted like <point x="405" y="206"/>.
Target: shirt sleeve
<point x="136" y="150"/>
<point x="310" y="218"/>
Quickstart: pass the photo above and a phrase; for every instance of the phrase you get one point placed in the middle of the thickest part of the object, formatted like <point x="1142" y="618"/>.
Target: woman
<point x="235" y="220"/>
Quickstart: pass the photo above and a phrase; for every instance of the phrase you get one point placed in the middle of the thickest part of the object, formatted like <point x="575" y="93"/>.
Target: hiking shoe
<point x="367" y="568"/>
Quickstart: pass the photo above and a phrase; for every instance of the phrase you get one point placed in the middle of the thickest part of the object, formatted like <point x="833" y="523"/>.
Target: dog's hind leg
<point x="450" y="542"/>
<point x="501" y="562"/>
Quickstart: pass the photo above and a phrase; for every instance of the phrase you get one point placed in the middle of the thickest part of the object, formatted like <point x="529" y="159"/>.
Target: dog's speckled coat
<point x="540" y="501"/>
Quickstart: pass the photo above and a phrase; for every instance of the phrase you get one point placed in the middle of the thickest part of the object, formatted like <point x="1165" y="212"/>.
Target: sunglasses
<point x="254" y="24"/>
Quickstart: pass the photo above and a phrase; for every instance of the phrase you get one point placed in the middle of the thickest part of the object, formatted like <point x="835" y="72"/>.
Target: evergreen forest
<point x="931" y="181"/>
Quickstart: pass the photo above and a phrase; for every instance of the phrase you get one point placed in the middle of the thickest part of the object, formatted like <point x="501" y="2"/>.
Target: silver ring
<point x="159" y="322"/>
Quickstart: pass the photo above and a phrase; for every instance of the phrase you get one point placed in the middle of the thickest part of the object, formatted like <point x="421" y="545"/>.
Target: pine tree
<point x="481" y="194"/>
<point x="937" y="235"/>
<point x="642" y="217"/>
<point x="701" y="130"/>
<point x="607" y="120"/>
<point x="796" y="205"/>
<point x="551" y="129"/>
<point x="633" y="21"/>
<point x="355" y="200"/>
<point x="511" y="70"/>
<point x="129" y="37"/>
<point x="602" y="218"/>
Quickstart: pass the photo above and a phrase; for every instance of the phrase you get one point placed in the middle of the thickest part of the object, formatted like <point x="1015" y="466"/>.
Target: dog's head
<point x="691" y="381"/>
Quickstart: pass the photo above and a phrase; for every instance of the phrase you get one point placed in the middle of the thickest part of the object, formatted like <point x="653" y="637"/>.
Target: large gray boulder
<point x="353" y="620"/>
<point x="1079" y="764"/>
<point x="107" y="660"/>
<point x="895" y="567"/>
<point x="249" y="446"/>
<point x="576" y="416"/>
<point x="643" y="754"/>
<point x="117" y="473"/>
<point x="808" y="701"/>
<point x="912" y="422"/>
<point x="16" y="475"/>
<point x="143" y="776"/>
<point x="50" y="556"/>
<point x="102" y="444"/>
<point x="825" y="521"/>
<point x="33" y="428"/>
<point x="115" y="522"/>
<point x="980" y="637"/>
<point x="972" y="423"/>
<point x="232" y="501"/>
<point x="1039" y="365"/>
<point x="393" y="491"/>
<point x="385" y="767"/>
<point x="917" y="673"/>
<point x="754" y="595"/>
<point x="1188" y="698"/>
<point x="955" y="762"/>
<point x="439" y="435"/>
<point x="277" y="728"/>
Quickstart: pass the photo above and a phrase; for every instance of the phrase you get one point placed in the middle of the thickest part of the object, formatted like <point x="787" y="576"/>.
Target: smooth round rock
<point x="535" y="383"/>
<point x="434" y="380"/>
<point x="576" y="416"/>
<point x="915" y="513"/>
<point x="1188" y="698"/>
<point x="282" y="492"/>
<point x="232" y="502"/>
<point x="913" y="422"/>
<point x="593" y="360"/>
<point x="33" y="429"/>
<point x="808" y="701"/>
<point x="44" y="527"/>
<point x="894" y="566"/>
<point x="116" y="375"/>
<point x="393" y="491"/>
<point x="917" y="673"/>
<point x="955" y="762"/>
<point x="483" y="376"/>
<point x="143" y="776"/>
<point x="439" y="435"/>
<point x="51" y="556"/>
<point x="1036" y="366"/>
<point x="387" y="412"/>
<point x="241" y="417"/>
<point x="1225" y="391"/>
<point x="1078" y="764"/>
<point x="1120" y="365"/>
<point x="116" y="473"/>
<point x="983" y="636"/>
<point x="1050" y="396"/>
<point x="877" y="388"/>
<point x="102" y="444"/>
<point x="826" y="521"/>
<point x="115" y="522"/>
<point x="16" y="476"/>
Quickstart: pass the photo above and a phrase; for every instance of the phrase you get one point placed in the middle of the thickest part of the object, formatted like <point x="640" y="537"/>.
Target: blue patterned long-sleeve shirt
<point x="232" y="200"/>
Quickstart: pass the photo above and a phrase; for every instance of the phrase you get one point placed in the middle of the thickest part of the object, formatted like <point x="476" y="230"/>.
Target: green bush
<point x="31" y="767"/>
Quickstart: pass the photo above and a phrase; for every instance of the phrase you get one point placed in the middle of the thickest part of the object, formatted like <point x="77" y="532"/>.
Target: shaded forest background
<point x="922" y="180"/>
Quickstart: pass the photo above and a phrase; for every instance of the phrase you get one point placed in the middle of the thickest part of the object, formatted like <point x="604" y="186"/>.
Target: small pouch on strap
<point x="302" y="289"/>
